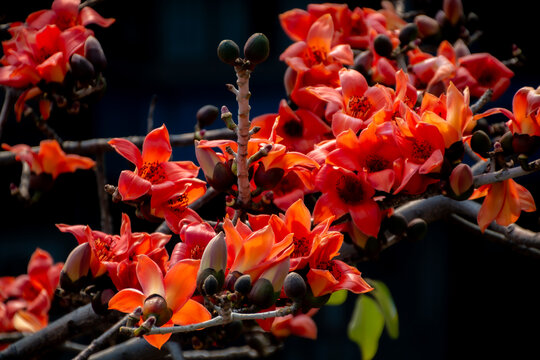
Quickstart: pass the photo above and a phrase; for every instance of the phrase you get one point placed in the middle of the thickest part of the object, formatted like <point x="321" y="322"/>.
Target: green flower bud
<point x="262" y="293"/>
<point x="417" y="229"/>
<point x="228" y="51"/>
<point x="408" y="33"/>
<point x="257" y="48"/>
<point x="397" y="224"/>
<point x="481" y="143"/>
<point x="206" y="115"/>
<point x="243" y="284"/>
<point x="94" y="53"/>
<point x="383" y="45"/>
<point x="294" y="286"/>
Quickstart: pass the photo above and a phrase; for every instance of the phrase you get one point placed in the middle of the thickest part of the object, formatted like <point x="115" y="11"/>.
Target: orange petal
<point x="255" y="249"/>
<point x="157" y="340"/>
<point x="491" y="206"/>
<point x="321" y="281"/>
<point x="157" y="146"/>
<point x="150" y="276"/>
<point x="127" y="300"/>
<point x="191" y="313"/>
<point x="180" y="282"/>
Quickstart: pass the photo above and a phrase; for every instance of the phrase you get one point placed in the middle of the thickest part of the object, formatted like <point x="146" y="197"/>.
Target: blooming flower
<point x="152" y="166"/>
<point x="173" y="291"/>
<point x="50" y="159"/>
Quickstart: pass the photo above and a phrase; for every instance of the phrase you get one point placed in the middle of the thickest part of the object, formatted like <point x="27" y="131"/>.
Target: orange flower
<point x="503" y="203"/>
<point x="327" y="275"/>
<point x="50" y="159"/>
<point x="488" y="73"/>
<point x="118" y="254"/>
<point x="152" y="166"/>
<point x="344" y="191"/>
<point x="172" y="292"/>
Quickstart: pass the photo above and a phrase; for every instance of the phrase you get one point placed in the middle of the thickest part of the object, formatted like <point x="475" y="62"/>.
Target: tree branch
<point x="505" y="174"/>
<point x="99" y="342"/>
<point x="92" y="146"/>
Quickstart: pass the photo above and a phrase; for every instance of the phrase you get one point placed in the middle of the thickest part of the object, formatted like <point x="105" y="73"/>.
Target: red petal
<point x="128" y="150"/>
<point x="156" y="146"/>
<point x="127" y="300"/>
<point x="131" y="186"/>
<point x="90" y="16"/>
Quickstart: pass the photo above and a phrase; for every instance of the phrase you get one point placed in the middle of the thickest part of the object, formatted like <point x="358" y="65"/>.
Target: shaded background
<point x="457" y="295"/>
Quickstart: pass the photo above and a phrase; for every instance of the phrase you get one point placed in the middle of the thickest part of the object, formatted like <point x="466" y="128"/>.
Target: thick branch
<point x="244" y="190"/>
<point x="105" y="213"/>
<point x="80" y="321"/>
<point x="505" y="174"/>
<point x="98" y="343"/>
<point x="92" y="146"/>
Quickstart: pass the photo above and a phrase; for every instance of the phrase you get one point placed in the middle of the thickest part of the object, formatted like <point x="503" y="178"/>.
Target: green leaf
<point x="386" y="303"/>
<point x="337" y="298"/>
<point x="366" y="325"/>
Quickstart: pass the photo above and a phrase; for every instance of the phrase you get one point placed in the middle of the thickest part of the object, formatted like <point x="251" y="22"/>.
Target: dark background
<point x="458" y="295"/>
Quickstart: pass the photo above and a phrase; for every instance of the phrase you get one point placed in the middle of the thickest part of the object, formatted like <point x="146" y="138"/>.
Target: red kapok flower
<point x="503" y="203"/>
<point x="152" y="166"/>
<point x="173" y="291"/>
<point x="488" y="72"/>
<point x="50" y="159"/>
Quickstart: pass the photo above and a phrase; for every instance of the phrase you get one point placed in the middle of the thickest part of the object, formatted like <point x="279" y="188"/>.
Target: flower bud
<point x="427" y="26"/>
<point x="461" y="182"/>
<point x="76" y="266"/>
<point x="416" y="229"/>
<point x="228" y="51"/>
<point x="462" y="50"/>
<point x="262" y="293"/>
<point x="480" y="143"/>
<point x="268" y="179"/>
<point x="215" y="256"/>
<point x="206" y="115"/>
<point x="94" y="53"/>
<point x="397" y="224"/>
<point x="453" y="10"/>
<point x="408" y="33"/>
<point x="100" y="301"/>
<point x="257" y="48"/>
<point x="294" y="286"/>
<point x="81" y="68"/>
<point x="363" y="62"/>
<point x="243" y="284"/>
<point x="383" y="45"/>
<point x="230" y="280"/>
<point x="217" y="173"/>
<point x="506" y="143"/>
<point x="311" y="301"/>
<point x="155" y="305"/>
<point x="210" y="285"/>
<point x="223" y="178"/>
<point x="276" y="274"/>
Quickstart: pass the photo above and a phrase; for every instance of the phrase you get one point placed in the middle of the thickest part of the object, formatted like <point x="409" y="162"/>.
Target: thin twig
<point x="89" y="3"/>
<point x="505" y="174"/>
<point x="91" y="146"/>
<point x="99" y="342"/>
<point x="174" y="350"/>
<point x="105" y="213"/>
<point x="7" y="105"/>
<point x="483" y="100"/>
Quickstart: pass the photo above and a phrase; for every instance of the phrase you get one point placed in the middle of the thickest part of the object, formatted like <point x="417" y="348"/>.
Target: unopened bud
<point x="383" y="45"/>
<point x="100" y="301"/>
<point x="408" y="33"/>
<point x="462" y="182"/>
<point x="228" y="51"/>
<point x="207" y="115"/>
<point x="76" y="266"/>
<point x="210" y="285"/>
<point x="462" y="50"/>
<point x="417" y="229"/>
<point x="81" y="68"/>
<point x="155" y="305"/>
<point x="453" y="10"/>
<point x="268" y="179"/>
<point x="277" y="273"/>
<point x="257" y="48"/>
<point x="397" y="224"/>
<point x="215" y="255"/>
<point x="480" y="143"/>
<point x="294" y="286"/>
<point x="243" y="284"/>
<point x="94" y="53"/>
<point x="262" y="293"/>
<point x="506" y="143"/>
<point x="363" y="62"/>
<point x="427" y="26"/>
<point x="230" y="280"/>
<point x="223" y="178"/>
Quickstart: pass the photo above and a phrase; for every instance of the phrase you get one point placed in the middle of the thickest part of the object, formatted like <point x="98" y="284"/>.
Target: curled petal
<point x="127" y="300"/>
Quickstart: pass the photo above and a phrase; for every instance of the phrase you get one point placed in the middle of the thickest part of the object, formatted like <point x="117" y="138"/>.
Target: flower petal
<point x="191" y="313"/>
<point x="127" y="300"/>
<point x="180" y="282"/>
<point x="150" y="276"/>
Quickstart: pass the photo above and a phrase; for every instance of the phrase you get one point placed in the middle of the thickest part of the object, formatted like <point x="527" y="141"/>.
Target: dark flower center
<point x="301" y="247"/>
<point x="152" y="171"/>
<point x="349" y="189"/>
<point x="178" y="204"/>
<point x="358" y="107"/>
<point x="422" y="150"/>
<point x="375" y="163"/>
<point x="102" y="248"/>
<point x="293" y="128"/>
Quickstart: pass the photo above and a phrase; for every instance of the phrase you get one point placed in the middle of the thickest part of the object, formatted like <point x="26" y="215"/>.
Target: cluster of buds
<point x="256" y="50"/>
<point x="53" y="58"/>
